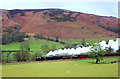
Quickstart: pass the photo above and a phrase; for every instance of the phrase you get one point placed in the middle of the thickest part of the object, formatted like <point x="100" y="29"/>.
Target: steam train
<point x="72" y="57"/>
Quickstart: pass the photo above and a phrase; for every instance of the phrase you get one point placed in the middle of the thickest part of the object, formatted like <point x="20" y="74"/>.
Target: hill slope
<point x="66" y="24"/>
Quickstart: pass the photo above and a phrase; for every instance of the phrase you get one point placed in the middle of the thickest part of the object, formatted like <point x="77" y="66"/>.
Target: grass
<point x="91" y="41"/>
<point x="34" y="45"/>
<point x="75" y="68"/>
<point x="105" y="59"/>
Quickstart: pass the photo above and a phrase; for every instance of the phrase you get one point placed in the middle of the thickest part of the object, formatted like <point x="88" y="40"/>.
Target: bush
<point x="51" y="39"/>
<point x="39" y="36"/>
<point x="57" y="39"/>
<point x="62" y="42"/>
<point x="53" y="47"/>
<point x="21" y="56"/>
<point x="6" y="56"/>
<point x="48" y="38"/>
<point x="35" y="55"/>
<point x="24" y="55"/>
<point x="48" y="21"/>
<point x="55" y="12"/>
<point x="22" y="14"/>
<point x="17" y="56"/>
<point x="109" y="50"/>
<point x="45" y="48"/>
<point x="45" y="13"/>
<point x="6" y="39"/>
<point x="27" y="36"/>
<point x="12" y="35"/>
<point x="25" y="46"/>
<point x="83" y="42"/>
<point x="66" y="18"/>
<point x="2" y="19"/>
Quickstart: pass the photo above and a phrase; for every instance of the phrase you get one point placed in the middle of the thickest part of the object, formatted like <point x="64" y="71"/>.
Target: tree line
<point x="9" y="35"/>
<point x="41" y="36"/>
<point x="96" y="53"/>
<point x="12" y="34"/>
<point x="25" y="55"/>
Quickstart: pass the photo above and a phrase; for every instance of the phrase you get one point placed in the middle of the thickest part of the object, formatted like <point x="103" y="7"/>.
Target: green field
<point x="36" y="45"/>
<point x="91" y="41"/>
<point x="71" y="68"/>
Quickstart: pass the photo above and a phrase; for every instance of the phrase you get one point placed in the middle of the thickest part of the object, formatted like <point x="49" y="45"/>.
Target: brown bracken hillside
<point x="63" y="23"/>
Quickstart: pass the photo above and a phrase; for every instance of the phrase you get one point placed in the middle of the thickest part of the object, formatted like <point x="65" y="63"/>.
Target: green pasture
<point x="71" y="68"/>
<point x="91" y="41"/>
<point x="36" y="45"/>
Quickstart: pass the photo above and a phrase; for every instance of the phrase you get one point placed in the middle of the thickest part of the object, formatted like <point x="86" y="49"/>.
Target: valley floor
<point x="71" y="68"/>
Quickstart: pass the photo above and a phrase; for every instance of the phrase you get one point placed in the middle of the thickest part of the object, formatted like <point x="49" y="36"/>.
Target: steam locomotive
<point x="72" y="57"/>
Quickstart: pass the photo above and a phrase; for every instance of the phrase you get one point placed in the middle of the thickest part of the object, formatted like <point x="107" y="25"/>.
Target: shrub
<point x="2" y="19"/>
<point x="57" y="39"/>
<point x="109" y="50"/>
<point x="12" y="35"/>
<point x="24" y="55"/>
<point x="45" y="48"/>
<point x="53" y="47"/>
<point x="36" y="55"/>
<point x="93" y="21"/>
<point x="48" y="21"/>
<point x="27" y="36"/>
<point x="21" y="56"/>
<point x="39" y="36"/>
<point x="45" y="13"/>
<point x="6" y="56"/>
<point x="48" y="38"/>
<point x="66" y="18"/>
<point x="83" y="41"/>
<point x="25" y="46"/>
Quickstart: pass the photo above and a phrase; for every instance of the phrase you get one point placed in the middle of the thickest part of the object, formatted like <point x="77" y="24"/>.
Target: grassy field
<point x="36" y="45"/>
<point x="90" y="40"/>
<point x="73" y="68"/>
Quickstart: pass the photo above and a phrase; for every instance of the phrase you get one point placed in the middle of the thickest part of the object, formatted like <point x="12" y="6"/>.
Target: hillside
<point x="63" y="23"/>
